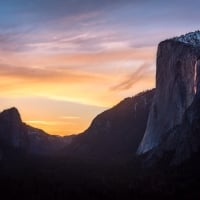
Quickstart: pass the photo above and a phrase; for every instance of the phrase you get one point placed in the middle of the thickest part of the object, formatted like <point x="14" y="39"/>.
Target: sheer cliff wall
<point x="177" y="75"/>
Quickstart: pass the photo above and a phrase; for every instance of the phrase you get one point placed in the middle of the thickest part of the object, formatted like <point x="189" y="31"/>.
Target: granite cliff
<point x="173" y="120"/>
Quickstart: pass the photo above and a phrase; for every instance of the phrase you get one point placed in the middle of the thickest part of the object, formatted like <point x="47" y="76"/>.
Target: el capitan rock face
<point x="172" y="127"/>
<point x="176" y="79"/>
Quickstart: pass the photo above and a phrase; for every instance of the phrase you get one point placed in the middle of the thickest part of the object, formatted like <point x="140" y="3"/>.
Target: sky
<point x="62" y="62"/>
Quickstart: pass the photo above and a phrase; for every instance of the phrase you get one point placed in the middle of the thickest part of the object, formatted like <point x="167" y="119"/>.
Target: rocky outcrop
<point x="172" y="133"/>
<point x="12" y="130"/>
<point x="116" y="133"/>
<point x="16" y="135"/>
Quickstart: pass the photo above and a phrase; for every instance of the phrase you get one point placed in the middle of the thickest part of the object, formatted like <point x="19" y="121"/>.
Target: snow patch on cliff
<point x="192" y="38"/>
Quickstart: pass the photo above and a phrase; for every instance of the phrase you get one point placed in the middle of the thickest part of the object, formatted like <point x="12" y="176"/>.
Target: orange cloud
<point x="82" y="59"/>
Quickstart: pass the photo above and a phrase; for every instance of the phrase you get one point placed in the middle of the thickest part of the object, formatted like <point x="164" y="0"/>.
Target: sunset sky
<point x="62" y="62"/>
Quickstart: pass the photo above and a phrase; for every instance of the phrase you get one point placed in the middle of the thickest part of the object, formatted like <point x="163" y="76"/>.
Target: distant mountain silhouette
<point x="113" y="134"/>
<point x="16" y="136"/>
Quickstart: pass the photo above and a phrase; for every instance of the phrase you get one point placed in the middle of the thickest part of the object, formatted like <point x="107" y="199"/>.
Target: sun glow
<point x="59" y="127"/>
<point x="98" y="81"/>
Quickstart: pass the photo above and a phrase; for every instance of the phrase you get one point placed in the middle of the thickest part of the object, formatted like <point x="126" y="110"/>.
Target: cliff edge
<point x="177" y="87"/>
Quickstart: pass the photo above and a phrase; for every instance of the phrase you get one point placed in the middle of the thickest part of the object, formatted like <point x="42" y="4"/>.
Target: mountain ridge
<point x="117" y="132"/>
<point x="112" y="134"/>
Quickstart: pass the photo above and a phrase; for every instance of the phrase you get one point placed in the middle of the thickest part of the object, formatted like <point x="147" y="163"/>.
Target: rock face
<point x="12" y="131"/>
<point x="116" y="133"/>
<point x="181" y="143"/>
<point x="15" y="136"/>
<point x="173" y="123"/>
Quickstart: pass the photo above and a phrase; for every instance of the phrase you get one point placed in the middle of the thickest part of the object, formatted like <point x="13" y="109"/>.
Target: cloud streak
<point x="45" y="74"/>
<point x="133" y="78"/>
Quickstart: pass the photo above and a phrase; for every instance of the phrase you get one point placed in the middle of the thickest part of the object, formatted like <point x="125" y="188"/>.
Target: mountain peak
<point x="192" y="38"/>
<point x="11" y="114"/>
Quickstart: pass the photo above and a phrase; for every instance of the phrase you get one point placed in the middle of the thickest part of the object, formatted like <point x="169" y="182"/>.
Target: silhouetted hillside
<point x="16" y="136"/>
<point x="117" y="132"/>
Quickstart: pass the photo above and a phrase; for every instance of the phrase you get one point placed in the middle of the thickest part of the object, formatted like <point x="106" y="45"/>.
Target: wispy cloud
<point x="29" y="74"/>
<point x="41" y="122"/>
<point x="133" y="78"/>
<point x="79" y="77"/>
<point x="70" y="117"/>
